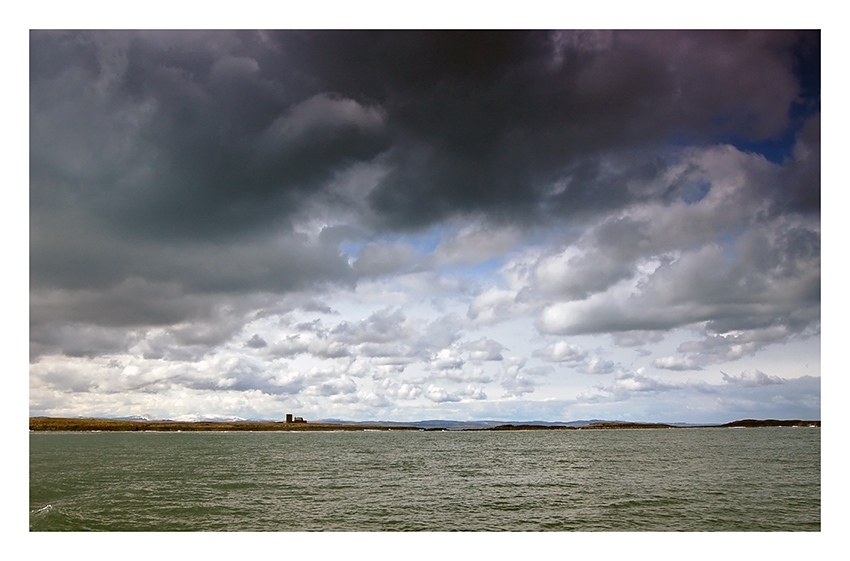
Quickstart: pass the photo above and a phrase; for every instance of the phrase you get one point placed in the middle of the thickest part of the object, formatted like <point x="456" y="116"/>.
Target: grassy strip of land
<point x="57" y="424"/>
<point x="114" y="425"/>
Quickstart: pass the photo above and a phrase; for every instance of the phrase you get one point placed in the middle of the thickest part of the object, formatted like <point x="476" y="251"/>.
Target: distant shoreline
<point x="61" y="424"/>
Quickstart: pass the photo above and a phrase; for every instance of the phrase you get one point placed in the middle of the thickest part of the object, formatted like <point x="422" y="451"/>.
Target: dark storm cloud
<point x="207" y="134"/>
<point x="77" y="340"/>
<point x="214" y="147"/>
<point x="169" y="168"/>
<point x="161" y="156"/>
<point x="490" y="121"/>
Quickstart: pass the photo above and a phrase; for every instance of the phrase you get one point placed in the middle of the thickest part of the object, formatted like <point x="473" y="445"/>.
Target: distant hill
<point x="749" y="423"/>
<point x="462" y="425"/>
<point x="491" y="424"/>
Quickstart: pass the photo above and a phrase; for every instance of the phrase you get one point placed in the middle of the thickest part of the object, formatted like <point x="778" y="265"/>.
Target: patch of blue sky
<point x="728" y="243"/>
<point x="696" y="192"/>
<point x="424" y="243"/>
<point x="775" y="150"/>
<point x="352" y="249"/>
<point x="488" y="268"/>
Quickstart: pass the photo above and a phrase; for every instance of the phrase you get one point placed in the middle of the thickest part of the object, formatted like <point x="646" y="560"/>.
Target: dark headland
<point x="47" y="424"/>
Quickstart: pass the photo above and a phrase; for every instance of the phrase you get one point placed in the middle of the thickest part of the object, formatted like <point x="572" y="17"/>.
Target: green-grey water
<point x="760" y="479"/>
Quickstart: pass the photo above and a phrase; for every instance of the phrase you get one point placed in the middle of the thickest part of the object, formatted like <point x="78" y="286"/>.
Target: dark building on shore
<point x="290" y="419"/>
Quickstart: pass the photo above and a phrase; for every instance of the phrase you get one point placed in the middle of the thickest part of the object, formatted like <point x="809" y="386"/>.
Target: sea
<point x="622" y="480"/>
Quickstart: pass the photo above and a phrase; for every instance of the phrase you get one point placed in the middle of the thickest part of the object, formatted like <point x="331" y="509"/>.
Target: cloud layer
<point x="416" y="224"/>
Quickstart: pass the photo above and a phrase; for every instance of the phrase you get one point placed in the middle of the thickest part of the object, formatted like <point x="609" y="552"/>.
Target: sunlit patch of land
<point x="114" y="425"/>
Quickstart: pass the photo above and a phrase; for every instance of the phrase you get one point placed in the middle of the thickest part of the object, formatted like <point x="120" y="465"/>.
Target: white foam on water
<point x="42" y="510"/>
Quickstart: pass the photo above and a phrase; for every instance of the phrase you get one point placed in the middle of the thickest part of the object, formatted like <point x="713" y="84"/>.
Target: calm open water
<point x="760" y="479"/>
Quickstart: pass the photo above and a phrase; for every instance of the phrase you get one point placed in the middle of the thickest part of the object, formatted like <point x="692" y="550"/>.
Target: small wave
<point x="41" y="511"/>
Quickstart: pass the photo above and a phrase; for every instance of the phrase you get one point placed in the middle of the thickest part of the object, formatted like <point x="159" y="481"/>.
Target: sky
<point x="408" y="225"/>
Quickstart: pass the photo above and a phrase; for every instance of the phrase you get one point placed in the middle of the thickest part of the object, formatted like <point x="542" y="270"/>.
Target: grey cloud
<point x="320" y="113"/>
<point x="516" y="381"/>
<point x="385" y="326"/>
<point x="314" y="306"/>
<point x="724" y="346"/>
<point x="637" y="338"/>
<point x="518" y="384"/>
<point x="474" y="243"/>
<point x="335" y="387"/>
<point x="441" y="333"/>
<point x="496" y="305"/>
<point x="733" y="190"/>
<point x="769" y="276"/>
<point x="390" y="353"/>
<point x="382" y="258"/>
<point x="209" y="333"/>
<point x="386" y="337"/>
<point x="760" y="270"/>
<point x="578" y="276"/>
<point x="320" y="347"/>
<point x="150" y="286"/>
<point x="63" y="380"/>
<point x="158" y="344"/>
<point x="236" y="266"/>
<point x="237" y="375"/>
<point x="76" y="340"/>
<point x="157" y="319"/>
<point x="256" y="342"/>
